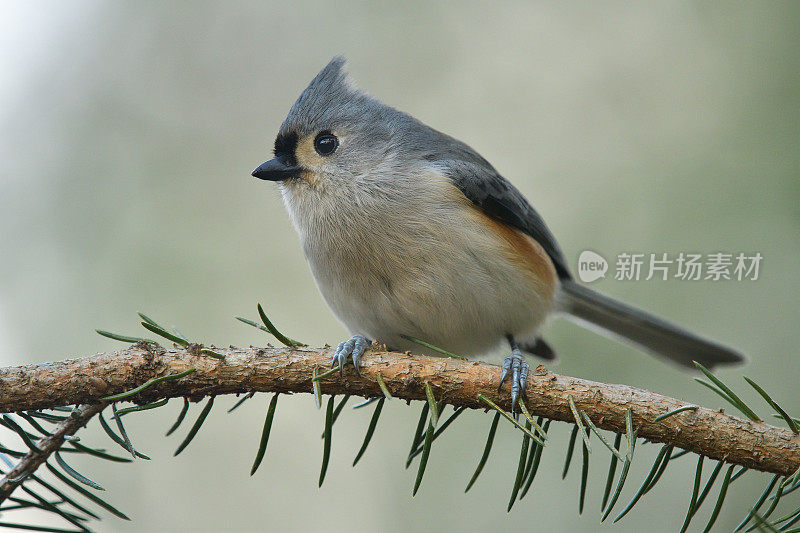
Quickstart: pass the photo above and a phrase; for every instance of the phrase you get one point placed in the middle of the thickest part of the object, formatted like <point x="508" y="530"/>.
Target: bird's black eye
<point x="326" y="143"/>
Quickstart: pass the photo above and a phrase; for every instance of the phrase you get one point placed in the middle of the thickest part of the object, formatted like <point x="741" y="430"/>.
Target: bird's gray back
<point x="481" y="184"/>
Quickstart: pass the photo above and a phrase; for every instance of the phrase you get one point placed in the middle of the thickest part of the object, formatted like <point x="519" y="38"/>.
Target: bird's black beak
<point x="276" y="170"/>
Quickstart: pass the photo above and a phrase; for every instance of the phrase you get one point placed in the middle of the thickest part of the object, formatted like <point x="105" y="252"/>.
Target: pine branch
<point x="46" y="446"/>
<point x="88" y="380"/>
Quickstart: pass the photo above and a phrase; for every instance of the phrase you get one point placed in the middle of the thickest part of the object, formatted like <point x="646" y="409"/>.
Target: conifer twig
<point x="46" y="447"/>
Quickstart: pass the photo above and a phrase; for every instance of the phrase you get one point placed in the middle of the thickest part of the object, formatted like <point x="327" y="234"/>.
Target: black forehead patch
<point x="285" y="146"/>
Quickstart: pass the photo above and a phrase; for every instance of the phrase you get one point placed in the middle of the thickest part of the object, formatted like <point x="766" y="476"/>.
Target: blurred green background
<point x="127" y="135"/>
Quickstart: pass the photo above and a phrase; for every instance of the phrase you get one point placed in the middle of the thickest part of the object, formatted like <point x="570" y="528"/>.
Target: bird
<point x="411" y="234"/>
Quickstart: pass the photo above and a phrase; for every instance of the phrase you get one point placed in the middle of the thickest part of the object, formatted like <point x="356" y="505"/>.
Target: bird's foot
<point x="354" y="348"/>
<point x="516" y="364"/>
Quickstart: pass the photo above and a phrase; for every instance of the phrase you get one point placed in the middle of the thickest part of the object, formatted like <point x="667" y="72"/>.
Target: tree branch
<point x="87" y="380"/>
<point x="46" y="447"/>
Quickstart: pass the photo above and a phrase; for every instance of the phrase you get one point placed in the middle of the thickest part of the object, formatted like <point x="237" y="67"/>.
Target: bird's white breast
<point x="409" y="256"/>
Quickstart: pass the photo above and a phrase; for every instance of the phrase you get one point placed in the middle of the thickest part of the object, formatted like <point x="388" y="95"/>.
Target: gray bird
<point x="410" y="232"/>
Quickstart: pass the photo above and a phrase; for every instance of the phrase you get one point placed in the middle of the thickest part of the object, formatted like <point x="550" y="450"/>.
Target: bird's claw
<point x="354" y="347"/>
<point x="516" y="364"/>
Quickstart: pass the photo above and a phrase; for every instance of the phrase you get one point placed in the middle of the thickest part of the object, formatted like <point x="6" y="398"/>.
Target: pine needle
<point x="326" y="448"/>
<point x="265" y="431"/>
<point x="523" y="454"/>
<point x="373" y="422"/>
<point x="487" y="448"/>
<point x="196" y="427"/>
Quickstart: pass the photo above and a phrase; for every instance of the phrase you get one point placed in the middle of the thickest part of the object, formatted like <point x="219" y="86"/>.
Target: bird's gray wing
<point x="497" y="197"/>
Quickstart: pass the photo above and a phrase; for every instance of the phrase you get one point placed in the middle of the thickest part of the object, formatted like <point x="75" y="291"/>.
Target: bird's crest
<point x="331" y="96"/>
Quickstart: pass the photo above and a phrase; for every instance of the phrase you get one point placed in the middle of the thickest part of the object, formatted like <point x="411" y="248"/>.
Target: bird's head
<point x="335" y="133"/>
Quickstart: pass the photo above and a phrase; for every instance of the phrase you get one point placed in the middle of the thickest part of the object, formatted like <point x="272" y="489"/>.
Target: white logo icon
<point x="591" y="266"/>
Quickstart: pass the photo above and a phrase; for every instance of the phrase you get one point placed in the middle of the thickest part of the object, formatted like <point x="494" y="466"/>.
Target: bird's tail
<point x="644" y="330"/>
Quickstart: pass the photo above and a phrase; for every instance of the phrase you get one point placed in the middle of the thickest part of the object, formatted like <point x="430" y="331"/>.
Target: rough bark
<point x="712" y="433"/>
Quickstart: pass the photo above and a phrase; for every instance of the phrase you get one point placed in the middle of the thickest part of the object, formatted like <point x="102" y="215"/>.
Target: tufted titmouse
<point x="409" y="232"/>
